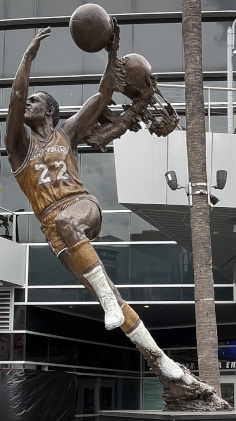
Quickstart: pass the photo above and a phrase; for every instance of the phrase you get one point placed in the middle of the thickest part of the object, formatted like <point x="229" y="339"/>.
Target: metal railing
<point x="215" y="103"/>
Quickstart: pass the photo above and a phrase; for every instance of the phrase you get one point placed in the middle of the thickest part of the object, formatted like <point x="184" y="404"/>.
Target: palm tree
<point x="206" y="329"/>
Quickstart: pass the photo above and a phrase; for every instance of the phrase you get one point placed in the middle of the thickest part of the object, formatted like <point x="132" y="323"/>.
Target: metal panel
<point x="5" y="309"/>
<point x="143" y="191"/>
<point x="12" y="262"/>
<point x="141" y="162"/>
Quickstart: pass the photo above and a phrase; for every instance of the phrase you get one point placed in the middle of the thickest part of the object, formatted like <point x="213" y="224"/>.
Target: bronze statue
<point x="44" y="163"/>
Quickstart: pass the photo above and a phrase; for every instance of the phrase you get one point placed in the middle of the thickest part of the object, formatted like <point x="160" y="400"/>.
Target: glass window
<point x="224" y="294"/>
<point x="115" y="227"/>
<point x="152" y="395"/>
<point x="98" y="174"/>
<point x="20" y="9"/>
<point x="91" y="89"/>
<point x="219" y="278"/>
<point x="96" y="62"/>
<point x="11" y="196"/>
<point x="218" y="5"/>
<point x="18" y="346"/>
<point x="5" y="346"/>
<point x="160" y="264"/>
<point x="46" y="269"/>
<point x="143" y="231"/>
<point x="151" y="6"/>
<point x="19" y="294"/>
<point x="36" y="348"/>
<point x="114" y="6"/>
<point x="214" y="50"/>
<point x="15" y="41"/>
<point x="59" y="295"/>
<point x="94" y="355"/>
<point x="161" y="294"/>
<point x="227" y="390"/>
<point x="2" y="34"/>
<point x="215" y="95"/>
<point x="58" y="55"/>
<point x="129" y="393"/>
<point x="173" y="94"/>
<point x="187" y="357"/>
<point x="219" y="123"/>
<point x="116" y="262"/>
<point x="6" y="96"/>
<point x="165" y="39"/>
<point x="57" y="7"/>
<point x="136" y="264"/>
<point x="19" y="317"/>
<point x="35" y="233"/>
<point x="65" y="95"/>
<point x="62" y="351"/>
<point x="2" y="134"/>
<point x="2" y="10"/>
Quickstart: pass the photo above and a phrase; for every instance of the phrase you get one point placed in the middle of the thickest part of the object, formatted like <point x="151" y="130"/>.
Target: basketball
<point x="91" y="27"/>
<point x="136" y="70"/>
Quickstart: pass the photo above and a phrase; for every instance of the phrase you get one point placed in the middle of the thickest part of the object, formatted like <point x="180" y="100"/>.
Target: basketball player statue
<point x="44" y="163"/>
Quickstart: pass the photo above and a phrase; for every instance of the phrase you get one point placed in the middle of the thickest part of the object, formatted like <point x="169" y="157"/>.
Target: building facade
<point x="47" y="321"/>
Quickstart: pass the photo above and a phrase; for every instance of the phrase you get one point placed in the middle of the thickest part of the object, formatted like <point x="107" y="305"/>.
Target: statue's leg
<point x="76" y="225"/>
<point x="134" y="328"/>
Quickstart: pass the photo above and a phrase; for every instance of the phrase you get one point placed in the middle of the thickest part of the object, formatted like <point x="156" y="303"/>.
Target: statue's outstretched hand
<point x="167" y="124"/>
<point x="35" y="43"/>
<point x="113" y="45"/>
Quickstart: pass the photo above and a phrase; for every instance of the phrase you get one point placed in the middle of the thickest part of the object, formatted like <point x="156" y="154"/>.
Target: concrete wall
<point x="12" y="262"/>
<point x="142" y="160"/>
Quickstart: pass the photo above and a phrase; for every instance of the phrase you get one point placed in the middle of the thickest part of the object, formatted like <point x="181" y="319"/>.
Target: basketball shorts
<point x="48" y="225"/>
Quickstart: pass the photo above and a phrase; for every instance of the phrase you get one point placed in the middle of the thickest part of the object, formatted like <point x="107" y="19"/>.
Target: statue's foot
<point x="113" y="314"/>
<point x="169" y="368"/>
<point x="142" y="339"/>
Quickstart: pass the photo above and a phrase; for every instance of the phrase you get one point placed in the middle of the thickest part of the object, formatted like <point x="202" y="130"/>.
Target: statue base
<point x="166" y="416"/>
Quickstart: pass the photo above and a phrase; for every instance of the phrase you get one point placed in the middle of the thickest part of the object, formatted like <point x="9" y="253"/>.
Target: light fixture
<point x="171" y="180"/>
<point x="213" y="199"/>
<point x="146" y="306"/>
<point x="234" y="227"/>
<point x="221" y="177"/>
<point x="204" y="188"/>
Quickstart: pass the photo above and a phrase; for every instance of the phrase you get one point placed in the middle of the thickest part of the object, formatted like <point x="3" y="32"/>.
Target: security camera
<point x="171" y="180"/>
<point x="221" y="177"/>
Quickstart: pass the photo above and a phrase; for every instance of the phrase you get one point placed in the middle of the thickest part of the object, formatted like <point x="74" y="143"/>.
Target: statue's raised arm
<point x="82" y="123"/>
<point x="134" y="79"/>
<point x="17" y="137"/>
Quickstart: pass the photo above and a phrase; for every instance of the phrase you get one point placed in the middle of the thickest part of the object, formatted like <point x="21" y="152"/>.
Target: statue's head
<point x="51" y="102"/>
<point x="134" y="75"/>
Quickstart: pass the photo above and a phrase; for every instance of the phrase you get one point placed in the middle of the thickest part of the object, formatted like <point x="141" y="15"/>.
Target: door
<point x="228" y="389"/>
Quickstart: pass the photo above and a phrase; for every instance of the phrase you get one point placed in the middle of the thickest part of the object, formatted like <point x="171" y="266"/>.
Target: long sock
<point x="139" y="335"/>
<point x="88" y="264"/>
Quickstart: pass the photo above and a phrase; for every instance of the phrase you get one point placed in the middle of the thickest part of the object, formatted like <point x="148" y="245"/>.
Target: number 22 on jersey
<point x="45" y="176"/>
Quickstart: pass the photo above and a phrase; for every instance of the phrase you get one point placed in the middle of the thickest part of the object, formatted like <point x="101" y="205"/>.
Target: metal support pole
<point x="209" y="110"/>
<point x="230" y="54"/>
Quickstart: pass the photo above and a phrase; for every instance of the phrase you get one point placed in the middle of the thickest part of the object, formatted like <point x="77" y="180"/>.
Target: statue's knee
<point x="62" y="222"/>
<point x="69" y="227"/>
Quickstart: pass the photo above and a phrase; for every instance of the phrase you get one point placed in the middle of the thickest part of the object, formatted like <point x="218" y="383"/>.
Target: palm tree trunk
<point x="206" y="329"/>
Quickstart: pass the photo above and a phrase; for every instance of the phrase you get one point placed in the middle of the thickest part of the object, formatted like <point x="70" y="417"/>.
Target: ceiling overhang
<point x="141" y="163"/>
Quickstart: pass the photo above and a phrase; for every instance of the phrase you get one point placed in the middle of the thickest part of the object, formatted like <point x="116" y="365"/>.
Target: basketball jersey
<point x="49" y="172"/>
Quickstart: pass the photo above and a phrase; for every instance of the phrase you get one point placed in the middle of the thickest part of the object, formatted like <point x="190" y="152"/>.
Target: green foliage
<point x="6" y="222"/>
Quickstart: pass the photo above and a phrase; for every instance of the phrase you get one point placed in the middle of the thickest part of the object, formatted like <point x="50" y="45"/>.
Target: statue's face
<point x="35" y="109"/>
